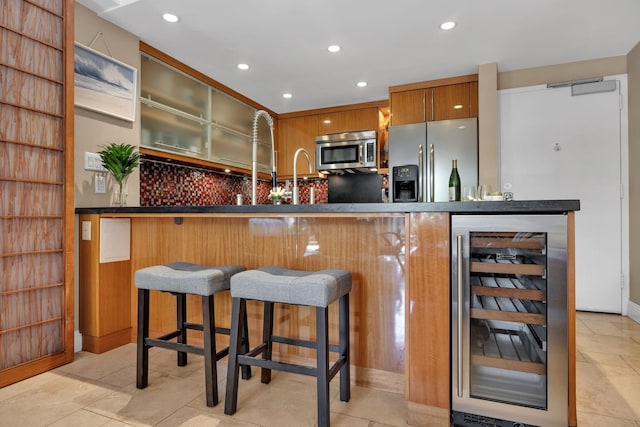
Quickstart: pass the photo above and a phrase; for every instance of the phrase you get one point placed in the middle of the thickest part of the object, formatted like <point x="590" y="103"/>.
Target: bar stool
<point x="279" y="285"/>
<point x="180" y="279"/>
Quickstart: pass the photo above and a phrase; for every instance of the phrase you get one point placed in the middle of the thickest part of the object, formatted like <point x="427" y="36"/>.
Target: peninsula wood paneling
<point x="36" y="186"/>
<point x="369" y="247"/>
<point x="429" y="298"/>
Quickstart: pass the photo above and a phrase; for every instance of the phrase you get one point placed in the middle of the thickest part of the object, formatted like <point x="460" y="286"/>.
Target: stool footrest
<point x="199" y="327"/>
<point x="290" y="367"/>
<point x="302" y="343"/>
<point x="187" y="348"/>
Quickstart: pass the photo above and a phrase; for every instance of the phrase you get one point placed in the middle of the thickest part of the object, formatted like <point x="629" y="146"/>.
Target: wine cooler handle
<point x="459" y="302"/>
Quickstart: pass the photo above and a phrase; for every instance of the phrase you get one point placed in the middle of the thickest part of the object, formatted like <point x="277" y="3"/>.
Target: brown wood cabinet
<point x="105" y="291"/>
<point x="348" y="121"/>
<point x="437" y="100"/>
<point x="294" y="133"/>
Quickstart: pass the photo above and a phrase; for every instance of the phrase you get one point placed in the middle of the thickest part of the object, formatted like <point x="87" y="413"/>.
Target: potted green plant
<point x="120" y="160"/>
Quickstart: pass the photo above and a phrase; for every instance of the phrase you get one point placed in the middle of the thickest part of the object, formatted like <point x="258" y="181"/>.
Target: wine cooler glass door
<point x="510" y="288"/>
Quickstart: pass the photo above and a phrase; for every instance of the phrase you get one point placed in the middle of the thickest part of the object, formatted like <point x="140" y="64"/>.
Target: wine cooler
<point x="509" y="320"/>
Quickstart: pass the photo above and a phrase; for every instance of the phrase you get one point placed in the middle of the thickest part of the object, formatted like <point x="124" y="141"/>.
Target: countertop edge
<point x="511" y="207"/>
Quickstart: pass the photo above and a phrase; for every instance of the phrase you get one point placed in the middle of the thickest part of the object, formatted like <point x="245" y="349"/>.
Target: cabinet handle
<point x="433" y="113"/>
<point x="459" y="300"/>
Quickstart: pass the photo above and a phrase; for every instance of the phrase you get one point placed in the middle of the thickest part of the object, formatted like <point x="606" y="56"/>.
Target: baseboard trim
<point x="106" y="342"/>
<point x="633" y="311"/>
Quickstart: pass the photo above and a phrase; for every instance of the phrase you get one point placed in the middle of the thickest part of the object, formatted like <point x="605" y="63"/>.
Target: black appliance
<point x="355" y="188"/>
<point x="405" y="183"/>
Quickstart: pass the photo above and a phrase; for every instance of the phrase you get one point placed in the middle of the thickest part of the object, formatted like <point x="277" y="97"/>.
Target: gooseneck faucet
<point x="296" y="197"/>
<point x="254" y="155"/>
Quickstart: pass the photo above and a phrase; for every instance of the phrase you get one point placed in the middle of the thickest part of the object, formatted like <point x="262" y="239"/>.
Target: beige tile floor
<point x="99" y="390"/>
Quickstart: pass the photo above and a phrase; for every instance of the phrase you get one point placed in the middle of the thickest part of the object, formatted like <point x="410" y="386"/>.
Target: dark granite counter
<point x="512" y="207"/>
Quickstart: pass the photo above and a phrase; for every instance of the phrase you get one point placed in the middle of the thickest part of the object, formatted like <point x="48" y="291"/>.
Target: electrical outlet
<point x="101" y="184"/>
<point x="93" y="162"/>
<point x="86" y="230"/>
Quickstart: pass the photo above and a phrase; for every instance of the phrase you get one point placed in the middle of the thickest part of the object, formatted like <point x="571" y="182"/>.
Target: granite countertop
<point x="512" y="207"/>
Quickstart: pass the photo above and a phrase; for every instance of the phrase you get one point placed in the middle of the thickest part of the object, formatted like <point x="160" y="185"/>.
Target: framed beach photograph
<point x="104" y="84"/>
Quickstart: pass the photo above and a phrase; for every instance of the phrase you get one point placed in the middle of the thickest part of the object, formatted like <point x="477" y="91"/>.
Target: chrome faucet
<point x="296" y="197"/>
<point x="254" y="155"/>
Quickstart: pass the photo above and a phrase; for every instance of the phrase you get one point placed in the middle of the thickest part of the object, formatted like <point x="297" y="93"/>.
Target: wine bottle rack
<point x="508" y="301"/>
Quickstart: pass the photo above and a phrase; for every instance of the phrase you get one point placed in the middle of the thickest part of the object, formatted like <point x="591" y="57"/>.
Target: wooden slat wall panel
<point x="16" y="125"/>
<point x="24" y="198"/>
<point x="31" y="163"/>
<point x="36" y="322"/>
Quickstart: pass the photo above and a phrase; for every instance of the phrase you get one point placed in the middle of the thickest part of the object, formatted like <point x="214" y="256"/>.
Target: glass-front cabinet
<point x="182" y="115"/>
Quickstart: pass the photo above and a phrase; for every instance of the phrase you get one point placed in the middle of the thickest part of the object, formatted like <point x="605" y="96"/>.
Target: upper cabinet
<point x="184" y="116"/>
<point x="445" y="99"/>
<point x="294" y="133"/>
<point x="348" y="121"/>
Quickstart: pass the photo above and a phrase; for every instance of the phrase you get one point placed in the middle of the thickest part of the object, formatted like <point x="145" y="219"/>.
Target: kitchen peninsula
<point x="399" y="255"/>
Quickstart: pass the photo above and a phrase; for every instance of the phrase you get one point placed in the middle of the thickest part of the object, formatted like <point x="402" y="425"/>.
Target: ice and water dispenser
<point x="405" y="183"/>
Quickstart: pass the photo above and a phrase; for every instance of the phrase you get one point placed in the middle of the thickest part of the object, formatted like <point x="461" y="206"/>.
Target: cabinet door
<point x="451" y="102"/>
<point x="409" y="107"/>
<point x="348" y="121"/>
<point x="294" y="133"/>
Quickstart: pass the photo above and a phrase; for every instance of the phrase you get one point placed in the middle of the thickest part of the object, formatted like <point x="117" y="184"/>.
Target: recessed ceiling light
<point x="286" y="95"/>
<point x="170" y="17"/>
<point x="227" y="170"/>
<point x="447" y="25"/>
<point x="243" y="66"/>
<point x="327" y="121"/>
<point x="457" y="107"/>
<point x="334" y="48"/>
<point x="361" y="84"/>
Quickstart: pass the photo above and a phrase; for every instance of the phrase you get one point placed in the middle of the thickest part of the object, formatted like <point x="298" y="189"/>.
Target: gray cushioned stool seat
<point x="187" y="278"/>
<point x="277" y="284"/>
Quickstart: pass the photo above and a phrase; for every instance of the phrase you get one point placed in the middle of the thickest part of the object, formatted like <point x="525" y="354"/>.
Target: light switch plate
<point x="86" y="230"/>
<point x="101" y="184"/>
<point x="93" y="162"/>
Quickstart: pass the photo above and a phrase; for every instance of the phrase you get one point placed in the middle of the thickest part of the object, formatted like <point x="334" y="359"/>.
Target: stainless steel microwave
<point x="349" y="151"/>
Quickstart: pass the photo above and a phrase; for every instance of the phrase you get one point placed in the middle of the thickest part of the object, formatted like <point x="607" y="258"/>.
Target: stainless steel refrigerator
<point x="432" y="146"/>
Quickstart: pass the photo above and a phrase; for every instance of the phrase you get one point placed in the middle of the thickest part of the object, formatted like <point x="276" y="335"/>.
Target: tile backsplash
<point x="166" y="184"/>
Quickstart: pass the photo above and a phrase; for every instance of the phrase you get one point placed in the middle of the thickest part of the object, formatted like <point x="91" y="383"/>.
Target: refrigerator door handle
<point x="432" y="178"/>
<point x="459" y="301"/>
<point x="420" y="173"/>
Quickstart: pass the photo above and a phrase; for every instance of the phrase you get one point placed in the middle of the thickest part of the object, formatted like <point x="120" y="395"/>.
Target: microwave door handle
<point x="420" y="174"/>
<point x="361" y="153"/>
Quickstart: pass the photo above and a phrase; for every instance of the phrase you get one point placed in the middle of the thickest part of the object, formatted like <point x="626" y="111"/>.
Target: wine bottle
<point x="454" y="183"/>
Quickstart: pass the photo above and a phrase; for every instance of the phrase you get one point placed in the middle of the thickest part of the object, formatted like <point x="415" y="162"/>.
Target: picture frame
<point x="104" y="84"/>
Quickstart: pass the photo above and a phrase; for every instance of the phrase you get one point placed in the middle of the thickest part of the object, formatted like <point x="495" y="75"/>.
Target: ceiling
<point x="384" y="43"/>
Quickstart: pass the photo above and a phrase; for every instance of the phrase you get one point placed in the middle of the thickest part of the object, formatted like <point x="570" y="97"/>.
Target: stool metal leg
<point x="244" y="347"/>
<point x="208" y="332"/>
<point x="142" y="352"/>
<point x="238" y="317"/>
<point x="267" y="332"/>
<point x="322" y="350"/>
<point x="345" y="373"/>
<point x="181" y="319"/>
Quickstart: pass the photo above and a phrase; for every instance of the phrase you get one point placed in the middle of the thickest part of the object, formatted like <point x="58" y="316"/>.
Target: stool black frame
<point x="239" y="356"/>
<point x="208" y="328"/>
